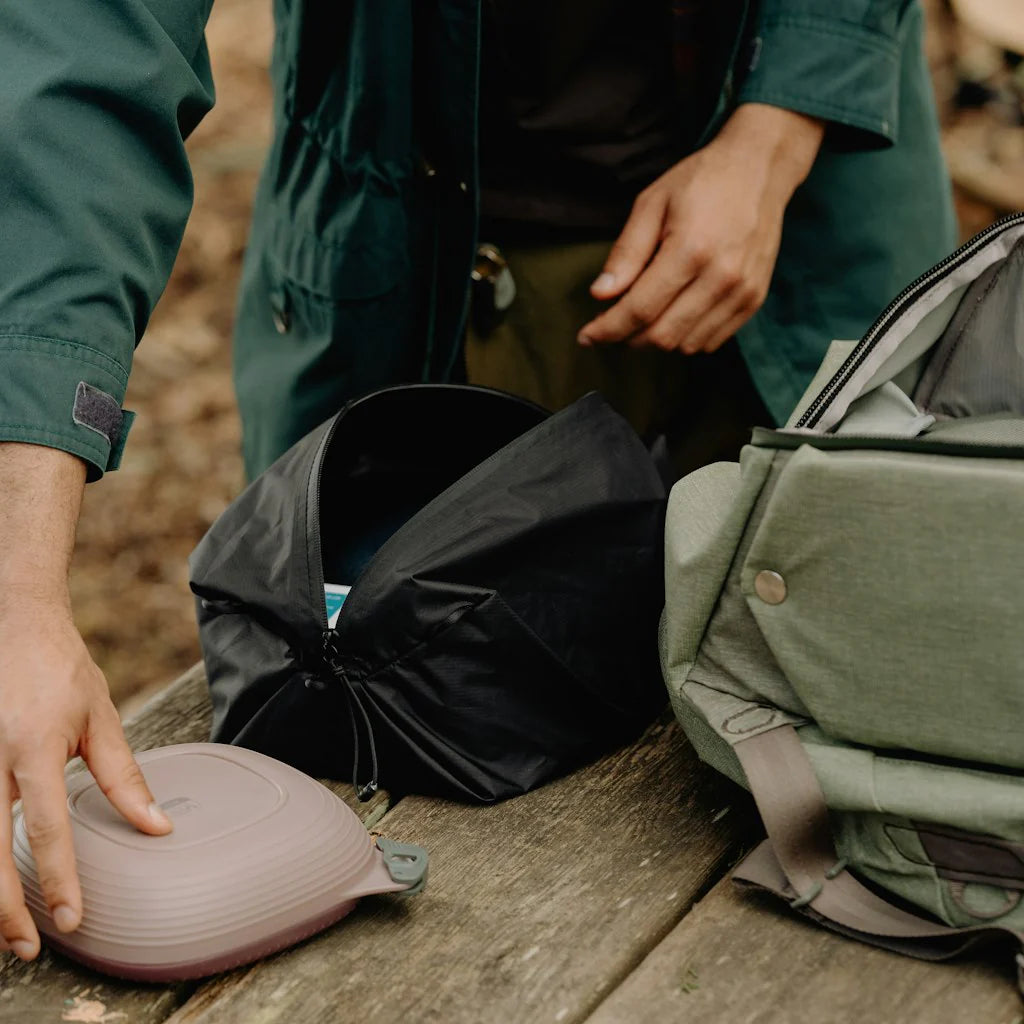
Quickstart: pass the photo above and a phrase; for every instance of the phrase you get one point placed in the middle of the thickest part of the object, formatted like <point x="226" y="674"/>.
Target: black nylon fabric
<point x="507" y="581"/>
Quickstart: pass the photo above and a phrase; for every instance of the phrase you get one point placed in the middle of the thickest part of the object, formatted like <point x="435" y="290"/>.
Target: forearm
<point x="40" y="498"/>
<point x="55" y="700"/>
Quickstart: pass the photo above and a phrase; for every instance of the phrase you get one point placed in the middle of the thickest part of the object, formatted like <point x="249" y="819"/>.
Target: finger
<point x="669" y="273"/>
<point x="725" y="332"/>
<point x="45" y="809"/>
<point x="727" y="318"/>
<point x="116" y="772"/>
<point x="17" y="929"/>
<point x="634" y="247"/>
<point x="674" y="329"/>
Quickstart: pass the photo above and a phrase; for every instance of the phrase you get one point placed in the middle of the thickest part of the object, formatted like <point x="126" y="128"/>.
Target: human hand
<point x="54" y="701"/>
<point x="55" y="705"/>
<point x="696" y="256"/>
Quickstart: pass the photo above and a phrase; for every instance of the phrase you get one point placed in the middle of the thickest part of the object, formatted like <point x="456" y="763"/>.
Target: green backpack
<point x="844" y="624"/>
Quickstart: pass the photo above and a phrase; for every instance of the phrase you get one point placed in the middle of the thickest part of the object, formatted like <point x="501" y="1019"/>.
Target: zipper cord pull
<point x="332" y="657"/>
<point x="363" y="793"/>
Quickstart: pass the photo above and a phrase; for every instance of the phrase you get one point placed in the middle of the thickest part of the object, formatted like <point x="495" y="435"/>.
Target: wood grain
<point x="747" y="959"/>
<point x="535" y="909"/>
<point x="179" y="714"/>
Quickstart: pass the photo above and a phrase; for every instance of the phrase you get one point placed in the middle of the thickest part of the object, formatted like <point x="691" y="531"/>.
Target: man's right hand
<point x="54" y="701"/>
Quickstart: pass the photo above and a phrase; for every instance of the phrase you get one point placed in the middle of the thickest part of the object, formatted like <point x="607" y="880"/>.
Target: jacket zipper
<point x="895" y="310"/>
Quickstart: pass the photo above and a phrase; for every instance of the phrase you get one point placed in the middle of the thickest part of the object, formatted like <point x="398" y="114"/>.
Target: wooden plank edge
<point x="534" y="910"/>
<point x="744" y="956"/>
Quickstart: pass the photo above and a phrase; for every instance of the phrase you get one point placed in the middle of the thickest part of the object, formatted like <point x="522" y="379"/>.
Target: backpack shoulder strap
<point x="799" y="863"/>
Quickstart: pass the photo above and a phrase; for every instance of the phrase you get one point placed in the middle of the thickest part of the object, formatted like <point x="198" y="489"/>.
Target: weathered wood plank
<point x="179" y="714"/>
<point x="53" y="988"/>
<point x="535" y="909"/>
<point x="52" y="991"/>
<point x="747" y="959"/>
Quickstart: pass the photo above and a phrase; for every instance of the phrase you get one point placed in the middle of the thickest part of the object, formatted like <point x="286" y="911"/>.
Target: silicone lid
<point x="260" y="857"/>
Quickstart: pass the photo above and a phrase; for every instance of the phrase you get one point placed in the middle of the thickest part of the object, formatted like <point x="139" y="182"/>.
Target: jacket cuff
<point x="840" y="72"/>
<point x="63" y="395"/>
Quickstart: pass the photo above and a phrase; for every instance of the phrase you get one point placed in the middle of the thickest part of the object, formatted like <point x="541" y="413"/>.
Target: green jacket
<point x="364" y="224"/>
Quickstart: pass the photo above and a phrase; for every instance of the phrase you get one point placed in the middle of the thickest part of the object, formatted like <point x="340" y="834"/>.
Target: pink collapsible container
<point x="261" y="856"/>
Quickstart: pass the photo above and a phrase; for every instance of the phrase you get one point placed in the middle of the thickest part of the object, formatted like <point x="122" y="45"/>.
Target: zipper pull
<point x="330" y="651"/>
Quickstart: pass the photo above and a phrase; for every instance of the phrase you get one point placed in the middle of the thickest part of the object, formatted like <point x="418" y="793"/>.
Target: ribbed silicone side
<point x="164" y="903"/>
<point x="189" y="969"/>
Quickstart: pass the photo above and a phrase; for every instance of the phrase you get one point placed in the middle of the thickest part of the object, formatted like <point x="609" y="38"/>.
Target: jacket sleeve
<point x="96" y="99"/>
<point x="834" y="59"/>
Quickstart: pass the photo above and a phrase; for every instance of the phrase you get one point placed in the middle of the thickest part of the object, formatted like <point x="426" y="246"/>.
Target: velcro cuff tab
<point x="98" y="411"/>
<point x="117" y="448"/>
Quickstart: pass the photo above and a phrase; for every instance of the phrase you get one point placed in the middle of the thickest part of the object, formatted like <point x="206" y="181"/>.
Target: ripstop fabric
<point x="506" y="574"/>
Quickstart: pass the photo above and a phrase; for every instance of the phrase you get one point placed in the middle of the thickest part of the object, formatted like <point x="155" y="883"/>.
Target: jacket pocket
<point x="334" y="243"/>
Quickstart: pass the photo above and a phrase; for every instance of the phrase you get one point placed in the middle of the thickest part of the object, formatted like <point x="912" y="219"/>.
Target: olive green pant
<point x="704" y="405"/>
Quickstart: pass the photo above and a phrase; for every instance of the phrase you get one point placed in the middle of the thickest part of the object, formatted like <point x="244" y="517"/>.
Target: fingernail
<point x="23" y="948"/>
<point x="65" y="918"/>
<point x="584" y="340"/>
<point x="604" y="282"/>
<point x="158" y="817"/>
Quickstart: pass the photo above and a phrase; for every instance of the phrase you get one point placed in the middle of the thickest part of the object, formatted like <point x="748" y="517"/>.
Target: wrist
<point x="785" y="142"/>
<point x="40" y="498"/>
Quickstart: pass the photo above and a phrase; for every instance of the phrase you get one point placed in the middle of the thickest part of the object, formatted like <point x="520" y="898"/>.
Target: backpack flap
<point x="882" y="582"/>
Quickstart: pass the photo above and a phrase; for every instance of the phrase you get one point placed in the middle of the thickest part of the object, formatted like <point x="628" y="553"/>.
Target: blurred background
<point x="130" y="576"/>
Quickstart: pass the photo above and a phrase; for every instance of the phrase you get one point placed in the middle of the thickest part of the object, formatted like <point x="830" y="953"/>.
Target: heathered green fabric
<point x="861" y="536"/>
<point x="706" y="514"/>
<point x="885" y="412"/>
<point x="733" y="656"/>
<point x="896" y="651"/>
<point x="993" y="430"/>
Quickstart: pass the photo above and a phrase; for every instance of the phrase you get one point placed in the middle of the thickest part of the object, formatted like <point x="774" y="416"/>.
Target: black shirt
<point x="578" y="109"/>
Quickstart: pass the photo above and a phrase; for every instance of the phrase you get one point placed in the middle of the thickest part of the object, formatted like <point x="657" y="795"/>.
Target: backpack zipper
<point x="896" y="309"/>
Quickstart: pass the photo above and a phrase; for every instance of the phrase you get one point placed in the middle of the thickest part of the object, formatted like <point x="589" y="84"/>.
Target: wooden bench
<point x="600" y="898"/>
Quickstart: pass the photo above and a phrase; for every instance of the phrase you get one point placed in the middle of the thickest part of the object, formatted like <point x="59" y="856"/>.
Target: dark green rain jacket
<point x="363" y="232"/>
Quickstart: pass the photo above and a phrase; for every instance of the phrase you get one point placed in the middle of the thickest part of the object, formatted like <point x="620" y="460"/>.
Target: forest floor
<point x="182" y="466"/>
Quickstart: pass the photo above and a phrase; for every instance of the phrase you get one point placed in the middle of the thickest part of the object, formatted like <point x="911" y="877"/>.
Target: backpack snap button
<point x="770" y="586"/>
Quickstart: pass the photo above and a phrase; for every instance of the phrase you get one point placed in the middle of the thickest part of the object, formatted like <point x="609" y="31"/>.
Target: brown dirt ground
<point x="130" y="578"/>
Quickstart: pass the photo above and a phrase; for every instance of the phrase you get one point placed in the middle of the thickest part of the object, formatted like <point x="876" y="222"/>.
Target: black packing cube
<point x="506" y="582"/>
